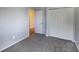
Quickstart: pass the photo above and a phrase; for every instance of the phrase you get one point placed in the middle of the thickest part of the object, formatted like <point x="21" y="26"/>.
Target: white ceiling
<point x="53" y="8"/>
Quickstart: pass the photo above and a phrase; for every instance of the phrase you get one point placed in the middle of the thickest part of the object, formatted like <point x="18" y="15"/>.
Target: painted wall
<point x="32" y="17"/>
<point x="60" y="23"/>
<point x="13" y="26"/>
<point x="40" y="24"/>
<point x="77" y="26"/>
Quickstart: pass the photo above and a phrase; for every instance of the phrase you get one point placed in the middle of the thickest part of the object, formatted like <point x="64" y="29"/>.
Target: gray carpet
<point x="41" y="43"/>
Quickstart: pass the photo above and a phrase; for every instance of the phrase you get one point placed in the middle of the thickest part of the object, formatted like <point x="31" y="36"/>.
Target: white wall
<point x="77" y="26"/>
<point x="60" y="23"/>
<point x="40" y="24"/>
<point x="13" y="22"/>
<point x="44" y="20"/>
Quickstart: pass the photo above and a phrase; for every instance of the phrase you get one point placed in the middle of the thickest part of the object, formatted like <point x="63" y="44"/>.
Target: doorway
<point x="31" y="21"/>
<point x="37" y="20"/>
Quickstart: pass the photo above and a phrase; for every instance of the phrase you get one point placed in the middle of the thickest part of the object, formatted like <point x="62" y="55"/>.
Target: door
<point x="60" y="23"/>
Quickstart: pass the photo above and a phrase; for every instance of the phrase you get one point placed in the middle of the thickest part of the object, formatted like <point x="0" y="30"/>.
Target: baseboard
<point x="77" y="45"/>
<point x="13" y="43"/>
<point x="58" y="37"/>
<point x="47" y="35"/>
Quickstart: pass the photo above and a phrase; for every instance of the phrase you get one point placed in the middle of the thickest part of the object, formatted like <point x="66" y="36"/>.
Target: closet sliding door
<point x="60" y="23"/>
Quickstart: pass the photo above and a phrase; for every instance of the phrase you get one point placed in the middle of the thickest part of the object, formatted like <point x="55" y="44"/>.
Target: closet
<point x="60" y="23"/>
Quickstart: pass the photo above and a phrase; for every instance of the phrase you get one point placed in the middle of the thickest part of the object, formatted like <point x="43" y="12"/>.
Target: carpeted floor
<point x="41" y="43"/>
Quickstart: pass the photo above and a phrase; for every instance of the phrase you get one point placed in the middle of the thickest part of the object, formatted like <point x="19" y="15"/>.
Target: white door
<point x="60" y="23"/>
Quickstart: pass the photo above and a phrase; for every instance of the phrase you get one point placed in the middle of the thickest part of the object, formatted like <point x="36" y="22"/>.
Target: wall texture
<point x="13" y="26"/>
<point x="60" y="23"/>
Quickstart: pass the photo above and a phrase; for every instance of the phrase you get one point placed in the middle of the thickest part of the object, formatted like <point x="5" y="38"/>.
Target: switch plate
<point x="13" y="36"/>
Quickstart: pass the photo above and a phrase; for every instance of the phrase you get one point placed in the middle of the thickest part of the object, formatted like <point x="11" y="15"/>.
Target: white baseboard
<point x="13" y="43"/>
<point x="77" y="45"/>
<point x="47" y="35"/>
<point x="59" y="37"/>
